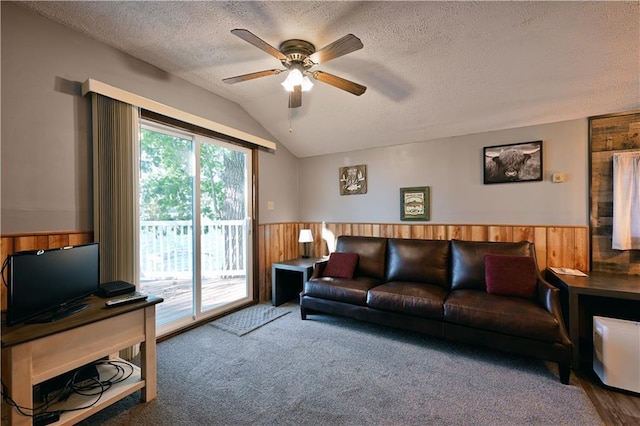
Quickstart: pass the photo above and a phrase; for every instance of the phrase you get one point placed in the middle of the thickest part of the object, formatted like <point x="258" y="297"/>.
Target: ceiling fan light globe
<point x="287" y="86"/>
<point x="294" y="78"/>
<point x="306" y="84"/>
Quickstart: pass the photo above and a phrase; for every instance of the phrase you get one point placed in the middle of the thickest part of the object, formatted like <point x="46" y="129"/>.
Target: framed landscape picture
<point x="414" y="203"/>
<point x="518" y="162"/>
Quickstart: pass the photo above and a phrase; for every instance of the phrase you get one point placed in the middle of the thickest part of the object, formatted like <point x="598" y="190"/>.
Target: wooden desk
<point x="34" y="353"/>
<point x="612" y="295"/>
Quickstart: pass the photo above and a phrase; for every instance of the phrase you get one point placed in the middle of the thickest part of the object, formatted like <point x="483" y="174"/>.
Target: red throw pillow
<point x="341" y="265"/>
<point x="509" y="275"/>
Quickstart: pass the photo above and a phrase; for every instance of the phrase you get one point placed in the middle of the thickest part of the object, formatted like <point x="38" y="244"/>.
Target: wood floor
<point x="178" y="295"/>
<point x="615" y="407"/>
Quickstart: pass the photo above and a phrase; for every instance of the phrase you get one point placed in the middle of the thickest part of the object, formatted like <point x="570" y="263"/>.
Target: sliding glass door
<point x="194" y="224"/>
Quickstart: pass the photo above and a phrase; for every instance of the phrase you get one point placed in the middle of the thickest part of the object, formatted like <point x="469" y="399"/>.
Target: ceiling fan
<point x="298" y="57"/>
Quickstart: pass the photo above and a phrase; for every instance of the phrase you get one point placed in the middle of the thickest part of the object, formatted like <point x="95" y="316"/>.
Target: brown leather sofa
<point x="437" y="287"/>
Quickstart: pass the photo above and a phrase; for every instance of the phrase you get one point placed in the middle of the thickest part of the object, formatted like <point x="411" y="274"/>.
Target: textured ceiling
<point x="433" y="69"/>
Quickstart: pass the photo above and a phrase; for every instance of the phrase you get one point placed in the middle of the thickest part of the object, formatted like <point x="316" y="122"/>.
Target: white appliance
<point x="616" y="352"/>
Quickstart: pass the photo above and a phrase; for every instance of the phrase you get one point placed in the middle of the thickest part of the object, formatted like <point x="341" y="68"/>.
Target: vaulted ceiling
<point x="432" y="69"/>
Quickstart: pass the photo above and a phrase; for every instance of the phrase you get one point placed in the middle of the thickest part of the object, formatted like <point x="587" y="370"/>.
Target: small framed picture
<point x="414" y="203"/>
<point x="353" y="180"/>
<point x="518" y="162"/>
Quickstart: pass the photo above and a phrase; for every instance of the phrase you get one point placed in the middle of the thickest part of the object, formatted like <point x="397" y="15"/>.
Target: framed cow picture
<point x="517" y="162"/>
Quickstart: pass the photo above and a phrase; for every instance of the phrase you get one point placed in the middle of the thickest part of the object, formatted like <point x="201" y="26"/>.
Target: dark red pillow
<point x="509" y="275"/>
<point x="341" y="265"/>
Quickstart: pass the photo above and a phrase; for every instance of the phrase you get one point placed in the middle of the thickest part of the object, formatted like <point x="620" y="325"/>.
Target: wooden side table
<point x="288" y="277"/>
<point x="604" y="294"/>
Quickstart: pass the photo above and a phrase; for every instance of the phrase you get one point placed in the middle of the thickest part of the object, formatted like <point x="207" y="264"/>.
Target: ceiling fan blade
<point x="295" y="97"/>
<point x="339" y="82"/>
<point x="249" y="37"/>
<point x="346" y="44"/>
<point x="251" y="76"/>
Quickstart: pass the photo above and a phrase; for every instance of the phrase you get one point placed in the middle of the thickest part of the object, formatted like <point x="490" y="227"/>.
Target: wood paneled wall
<point x="609" y="134"/>
<point x="566" y="246"/>
<point x="35" y="241"/>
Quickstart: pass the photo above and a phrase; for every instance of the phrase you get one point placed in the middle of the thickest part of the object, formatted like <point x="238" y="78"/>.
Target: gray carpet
<point x="249" y="319"/>
<point x="335" y="371"/>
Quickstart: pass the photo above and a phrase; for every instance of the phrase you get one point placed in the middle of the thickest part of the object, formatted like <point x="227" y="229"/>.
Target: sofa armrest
<point x="549" y="297"/>
<point x="318" y="268"/>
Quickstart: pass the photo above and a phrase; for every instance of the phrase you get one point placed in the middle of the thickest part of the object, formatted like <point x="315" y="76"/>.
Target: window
<point x="195" y="208"/>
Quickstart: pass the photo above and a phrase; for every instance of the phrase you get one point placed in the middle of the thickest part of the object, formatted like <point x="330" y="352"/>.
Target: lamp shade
<point x="306" y="84"/>
<point x="294" y="78"/>
<point x="305" y="236"/>
<point x="287" y="86"/>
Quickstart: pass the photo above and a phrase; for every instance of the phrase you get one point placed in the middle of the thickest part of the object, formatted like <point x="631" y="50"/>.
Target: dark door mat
<point x="249" y="319"/>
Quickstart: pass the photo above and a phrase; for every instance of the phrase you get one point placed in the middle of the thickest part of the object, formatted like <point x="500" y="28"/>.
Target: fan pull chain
<point x="290" y="125"/>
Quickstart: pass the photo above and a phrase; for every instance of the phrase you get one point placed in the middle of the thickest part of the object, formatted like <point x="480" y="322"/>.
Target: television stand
<point x="59" y="314"/>
<point x="35" y="353"/>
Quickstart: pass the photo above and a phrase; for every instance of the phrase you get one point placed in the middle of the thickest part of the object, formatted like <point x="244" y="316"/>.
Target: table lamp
<point x="305" y="238"/>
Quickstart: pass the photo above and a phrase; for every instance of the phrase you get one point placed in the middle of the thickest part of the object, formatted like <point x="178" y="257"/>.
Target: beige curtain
<point x="115" y="191"/>
<point x="115" y="188"/>
<point x="626" y="201"/>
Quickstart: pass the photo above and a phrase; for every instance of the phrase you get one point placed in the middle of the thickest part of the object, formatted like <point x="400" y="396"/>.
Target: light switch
<point x="270" y="205"/>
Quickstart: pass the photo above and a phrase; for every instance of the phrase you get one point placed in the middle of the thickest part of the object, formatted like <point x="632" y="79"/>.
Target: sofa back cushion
<point x="507" y="275"/>
<point x="371" y="251"/>
<point x="467" y="260"/>
<point x="423" y="261"/>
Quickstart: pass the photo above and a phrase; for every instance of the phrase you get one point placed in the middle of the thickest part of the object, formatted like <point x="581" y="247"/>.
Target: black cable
<point x="5" y="263"/>
<point x="99" y="394"/>
<point x="95" y="388"/>
<point x="7" y="398"/>
<point x="103" y="385"/>
<point x="119" y="365"/>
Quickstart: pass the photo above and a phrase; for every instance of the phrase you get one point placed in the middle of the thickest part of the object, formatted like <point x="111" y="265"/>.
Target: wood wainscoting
<point x="565" y="246"/>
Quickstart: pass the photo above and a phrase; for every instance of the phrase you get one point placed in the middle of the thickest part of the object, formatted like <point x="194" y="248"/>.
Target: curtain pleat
<point x="626" y="201"/>
<point x="115" y="189"/>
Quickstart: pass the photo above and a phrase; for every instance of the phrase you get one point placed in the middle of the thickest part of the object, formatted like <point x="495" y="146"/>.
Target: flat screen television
<point x="45" y="285"/>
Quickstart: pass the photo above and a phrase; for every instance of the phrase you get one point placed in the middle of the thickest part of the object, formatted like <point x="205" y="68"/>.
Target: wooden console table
<point x="612" y="295"/>
<point x="34" y="353"/>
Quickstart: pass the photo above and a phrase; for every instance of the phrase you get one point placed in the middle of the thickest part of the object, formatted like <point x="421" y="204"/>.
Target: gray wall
<point x="46" y="154"/>
<point x="452" y="167"/>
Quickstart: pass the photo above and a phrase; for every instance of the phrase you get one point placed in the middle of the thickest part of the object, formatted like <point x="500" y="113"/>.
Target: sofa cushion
<point x="467" y="260"/>
<point x="341" y="265"/>
<point x="345" y="290"/>
<point x="372" y="252"/>
<point x="419" y="299"/>
<point x="511" y="275"/>
<point x="508" y="315"/>
<point x="425" y="261"/>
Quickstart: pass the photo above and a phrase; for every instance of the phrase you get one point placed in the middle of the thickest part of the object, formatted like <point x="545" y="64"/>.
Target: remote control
<point x="133" y="297"/>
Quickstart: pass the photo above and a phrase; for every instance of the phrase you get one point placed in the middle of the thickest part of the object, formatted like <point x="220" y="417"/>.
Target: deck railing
<point x="166" y="249"/>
